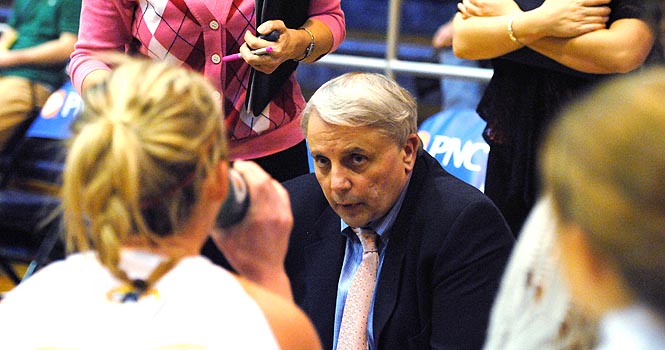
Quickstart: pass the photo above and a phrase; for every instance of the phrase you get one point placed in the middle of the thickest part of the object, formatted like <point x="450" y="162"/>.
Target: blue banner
<point x="454" y="138"/>
<point x="61" y="108"/>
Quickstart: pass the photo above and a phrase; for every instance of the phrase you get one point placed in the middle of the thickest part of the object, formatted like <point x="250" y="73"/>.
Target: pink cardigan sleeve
<point x="105" y="26"/>
<point x="330" y="12"/>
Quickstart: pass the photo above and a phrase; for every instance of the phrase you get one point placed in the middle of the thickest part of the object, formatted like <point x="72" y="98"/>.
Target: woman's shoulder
<point x="291" y="327"/>
<point x="532" y="309"/>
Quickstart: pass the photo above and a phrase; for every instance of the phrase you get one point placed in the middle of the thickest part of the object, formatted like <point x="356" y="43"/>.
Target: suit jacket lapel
<point x="324" y="255"/>
<point x="388" y="284"/>
<point x="393" y="261"/>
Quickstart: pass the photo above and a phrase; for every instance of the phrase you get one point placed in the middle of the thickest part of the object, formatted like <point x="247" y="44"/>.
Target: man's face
<point x="361" y="171"/>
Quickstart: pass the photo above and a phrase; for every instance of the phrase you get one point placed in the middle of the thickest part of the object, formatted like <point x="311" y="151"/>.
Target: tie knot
<point x="367" y="238"/>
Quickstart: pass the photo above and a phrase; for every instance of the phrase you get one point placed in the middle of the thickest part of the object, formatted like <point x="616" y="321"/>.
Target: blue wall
<point x="419" y="17"/>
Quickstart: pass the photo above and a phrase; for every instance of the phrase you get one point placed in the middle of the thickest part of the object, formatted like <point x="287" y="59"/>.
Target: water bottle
<point x="236" y="204"/>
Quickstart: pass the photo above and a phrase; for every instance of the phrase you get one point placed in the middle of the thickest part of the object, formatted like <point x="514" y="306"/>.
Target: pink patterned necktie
<point x="353" y="331"/>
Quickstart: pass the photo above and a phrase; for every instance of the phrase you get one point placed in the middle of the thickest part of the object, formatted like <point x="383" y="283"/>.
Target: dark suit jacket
<point x="441" y="270"/>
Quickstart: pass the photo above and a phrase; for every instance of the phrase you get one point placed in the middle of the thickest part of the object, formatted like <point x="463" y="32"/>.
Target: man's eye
<point x="358" y="159"/>
<point x="321" y="161"/>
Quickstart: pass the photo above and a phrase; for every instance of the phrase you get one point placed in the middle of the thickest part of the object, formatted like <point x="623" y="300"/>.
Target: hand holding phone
<point x="272" y="36"/>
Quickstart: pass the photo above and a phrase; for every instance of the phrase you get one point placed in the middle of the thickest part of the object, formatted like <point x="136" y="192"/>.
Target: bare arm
<point x="53" y="51"/>
<point x="290" y="325"/>
<point x="481" y="26"/>
<point x="443" y="37"/>
<point x="477" y="38"/>
<point x="621" y="48"/>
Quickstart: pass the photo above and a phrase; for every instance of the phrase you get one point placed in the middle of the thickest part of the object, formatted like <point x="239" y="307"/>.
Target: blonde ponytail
<point x="136" y="161"/>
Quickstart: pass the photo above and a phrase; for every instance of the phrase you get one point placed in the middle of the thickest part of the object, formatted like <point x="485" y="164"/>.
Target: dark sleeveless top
<point x="528" y="89"/>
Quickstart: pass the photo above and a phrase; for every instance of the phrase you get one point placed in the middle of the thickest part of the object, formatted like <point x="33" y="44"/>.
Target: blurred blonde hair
<point x="604" y="163"/>
<point x="138" y="156"/>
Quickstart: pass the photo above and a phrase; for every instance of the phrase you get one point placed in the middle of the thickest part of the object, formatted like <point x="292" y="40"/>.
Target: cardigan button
<point x="215" y="59"/>
<point x="214" y="25"/>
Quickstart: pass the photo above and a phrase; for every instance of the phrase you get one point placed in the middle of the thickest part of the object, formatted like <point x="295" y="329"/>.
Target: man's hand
<point x="443" y="37"/>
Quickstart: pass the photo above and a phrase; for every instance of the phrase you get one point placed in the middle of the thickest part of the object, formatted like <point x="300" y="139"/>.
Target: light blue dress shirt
<point x="352" y="258"/>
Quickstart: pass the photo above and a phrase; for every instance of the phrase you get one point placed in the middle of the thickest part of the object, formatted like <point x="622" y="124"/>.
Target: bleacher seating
<point x="5" y="13"/>
<point x="29" y="203"/>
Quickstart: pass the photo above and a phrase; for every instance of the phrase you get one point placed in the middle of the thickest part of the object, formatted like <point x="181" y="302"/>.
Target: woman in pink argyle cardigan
<point x="198" y="34"/>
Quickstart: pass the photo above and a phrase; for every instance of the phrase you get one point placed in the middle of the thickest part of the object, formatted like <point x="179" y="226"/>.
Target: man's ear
<point x="410" y="149"/>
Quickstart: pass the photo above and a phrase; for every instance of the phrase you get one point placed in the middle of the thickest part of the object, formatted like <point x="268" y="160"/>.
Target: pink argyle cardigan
<point x="195" y="33"/>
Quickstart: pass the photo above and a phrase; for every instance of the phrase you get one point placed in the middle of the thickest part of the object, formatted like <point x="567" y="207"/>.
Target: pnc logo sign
<point x="64" y="103"/>
<point x="454" y="138"/>
<point x="60" y="109"/>
<point x="445" y="149"/>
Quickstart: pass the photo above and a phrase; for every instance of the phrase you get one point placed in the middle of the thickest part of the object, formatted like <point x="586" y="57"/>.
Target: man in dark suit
<point x="442" y="244"/>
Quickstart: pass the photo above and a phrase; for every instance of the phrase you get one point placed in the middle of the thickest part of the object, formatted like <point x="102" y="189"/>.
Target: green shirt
<point x="39" y="21"/>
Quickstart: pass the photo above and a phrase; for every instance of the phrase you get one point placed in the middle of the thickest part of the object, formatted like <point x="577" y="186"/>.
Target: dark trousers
<point x="512" y="185"/>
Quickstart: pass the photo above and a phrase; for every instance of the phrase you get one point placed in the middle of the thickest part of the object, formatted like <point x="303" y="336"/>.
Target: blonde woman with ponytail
<point x="145" y="177"/>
